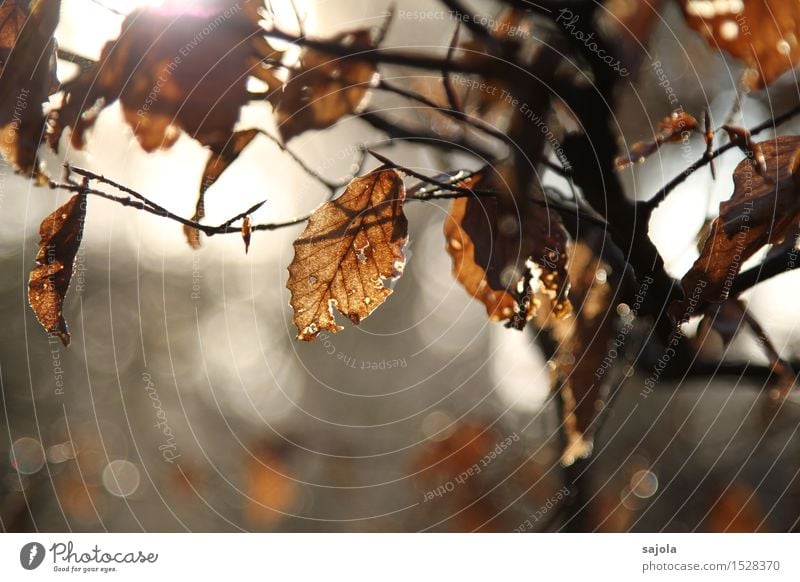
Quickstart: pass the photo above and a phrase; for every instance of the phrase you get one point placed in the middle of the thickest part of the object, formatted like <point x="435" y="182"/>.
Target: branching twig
<point x="305" y="167"/>
<point x="390" y="57"/>
<point x="454" y="113"/>
<point x="460" y="12"/>
<point x="662" y="194"/>
<point x="400" y="132"/>
<point x="453" y="190"/>
<point x="139" y="201"/>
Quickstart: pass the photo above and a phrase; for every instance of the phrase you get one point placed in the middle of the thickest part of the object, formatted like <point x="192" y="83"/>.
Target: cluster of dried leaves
<point x="188" y="70"/>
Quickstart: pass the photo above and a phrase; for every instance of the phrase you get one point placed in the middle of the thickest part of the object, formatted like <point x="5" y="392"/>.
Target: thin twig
<point x="650" y="205"/>
<point x="244" y="214"/>
<point x="109" y="8"/>
<point x="473" y="23"/>
<point x="388" y="57"/>
<point x="102" y="179"/>
<point x="139" y="201"/>
<point x="299" y="161"/>
<point x="454" y="191"/>
<point x="471" y="121"/>
<point x="452" y="96"/>
<point x="474" y="122"/>
<point x="399" y="132"/>
<point x="84" y="63"/>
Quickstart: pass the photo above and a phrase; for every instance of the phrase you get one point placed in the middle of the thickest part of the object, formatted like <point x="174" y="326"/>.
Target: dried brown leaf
<point x="61" y="234"/>
<point x="496" y="242"/>
<point x="324" y="88"/>
<point x="270" y="485"/>
<point x="218" y="162"/>
<point x="348" y="248"/>
<point x="27" y="78"/>
<point x="725" y="319"/>
<point x="737" y="510"/>
<point x="583" y="344"/>
<point x="247" y="231"/>
<point x="171" y="70"/>
<point x="764" y="34"/>
<point x="763" y="209"/>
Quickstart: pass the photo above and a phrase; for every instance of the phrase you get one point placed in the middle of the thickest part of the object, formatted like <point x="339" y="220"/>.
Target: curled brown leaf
<point x="27" y="78"/>
<point x="61" y="234"/>
<point x="218" y="162"/>
<point x="247" y="231"/>
<point x="764" y="208"/>
<point x="496" y="243"/>
<point x="324" y="88"/>
<point x="171" y="70"/>
<point x="762" y="33"/>
<point x="583" y="345"/>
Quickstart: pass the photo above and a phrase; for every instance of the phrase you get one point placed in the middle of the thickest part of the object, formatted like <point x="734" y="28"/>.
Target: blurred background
<point x="184" y="402"/>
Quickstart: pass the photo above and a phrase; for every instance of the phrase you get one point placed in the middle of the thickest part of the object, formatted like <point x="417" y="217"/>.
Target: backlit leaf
<point x="218" y="162"/>
<point x="764" y="34"/>
<point x="269" y="484"/>
<point x="764" y="208"/>
<point x="27" y="78"/>
<point x="324" y="88"/>
<point x="349" y="247"/>
<point x="247" y="231"/>
<point x="582" y="346"/>
<point x="61" y="234"/>
<point x="171" y="69"/>
<point x="499" y="242"/>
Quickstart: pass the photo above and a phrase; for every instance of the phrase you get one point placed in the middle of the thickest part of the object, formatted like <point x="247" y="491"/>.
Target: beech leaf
<point x="61" y="233"/>
<point x="247" y="231"/>
<point x="728" y="319"/>
<point x="764" y="209"/>
<point x="349" y="247"/>
<point x="324" y="88"/>
<point x="172" y="69"/>
<point x="27" y="78"/>
<point x="583" y="344"/>
<point x="499" y="244"/>
<point x="762" y="33"/>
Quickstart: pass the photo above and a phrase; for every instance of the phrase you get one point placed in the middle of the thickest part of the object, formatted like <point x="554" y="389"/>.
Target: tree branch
<point x="781" y="263"/>
<point x="454" y="113"/>
<point x="650" y="205"/>
<point x="134" y="199"/>
<point x="452" y="97"/>
<point x="380" y="56"/>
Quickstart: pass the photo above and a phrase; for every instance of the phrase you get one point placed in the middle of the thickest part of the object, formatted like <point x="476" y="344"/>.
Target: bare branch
<point x="662" y="194"/>
<point x="452" y="97"/>
<point x="781" y="263"/>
